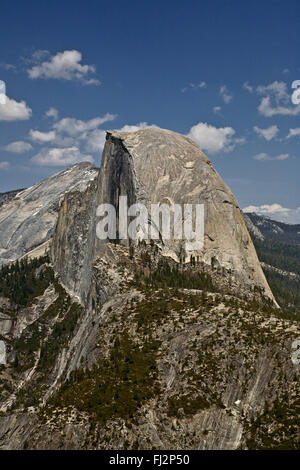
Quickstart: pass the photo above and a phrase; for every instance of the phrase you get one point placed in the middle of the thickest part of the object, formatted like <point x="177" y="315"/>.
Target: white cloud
<point x="293" y="132"/>
<point x="65" y="66"/>
<point x="265" y="157"/>
<point x="9" y="67"/>
<point x="217" y="109"/>
<point x="4" y="165"/>
<point x="194" y="86"/>
<point x="276" y="89"/>
<point x="266" y="109"/>
<point x="42" y="137"/>
<point x="53" y="138"/>
<point x="14" y="111"/>
<point x="285" y="71"/>
<point x="52" y="113"/>
<point x="226" y="96"/>
<point x="214" y="139"/>
<point x="136" y="127"/>
<point x="96" y="140"/>
<point x="248" y="87"/>
<point x="37" y="56"/>
<point x="60" y="157"/>
<point x="69" y="135"/>
<point x="269" y="133"/>
<point x="18" y="147"/>
<point x="276" y="100"/>
<point x="75" y="127"/>
<point x="277" y="212"/>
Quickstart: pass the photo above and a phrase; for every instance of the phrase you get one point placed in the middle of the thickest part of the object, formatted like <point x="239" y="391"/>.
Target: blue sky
<point x="219" y="71"/>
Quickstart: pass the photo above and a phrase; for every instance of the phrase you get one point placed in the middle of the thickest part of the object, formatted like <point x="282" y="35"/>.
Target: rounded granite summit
<point x="153" y="165"/>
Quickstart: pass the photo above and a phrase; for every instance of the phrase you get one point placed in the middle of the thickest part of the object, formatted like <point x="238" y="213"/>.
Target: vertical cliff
<point x="72" y="248"/>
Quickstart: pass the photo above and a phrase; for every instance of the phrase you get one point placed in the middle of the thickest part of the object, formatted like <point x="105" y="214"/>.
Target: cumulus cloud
<point x="42" y="137"/>
<point x="277" y="212"/>
<point x="13" y="110"/>
<point x="18" y="147"/>
<point x="269" y="133"/>
<point x="266" y="109"/>
<point x="52" y="113"/>
<point x="64" y="65"/>
<point x="213" y="139"/>
<point x="277" y="89"/>
<point x="68" y="136"/>
<point x="136" y="127"/>
<point x="225" y="95"/>
<point x="194" y="86"/>
<point x="293" y="132"/>
<point x="265" y="157"/>
<point x="96" y="140"/>
<point x="4" y="165"/>
<point x="60" y="157"/>
<point x="276" y="100"/>
<point x="75" y="127"/>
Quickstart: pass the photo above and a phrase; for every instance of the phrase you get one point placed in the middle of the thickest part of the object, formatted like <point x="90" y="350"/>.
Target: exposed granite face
<point x="159" y="166"/>
<point x="28" y="219"/>
<point x="72" y="248"/>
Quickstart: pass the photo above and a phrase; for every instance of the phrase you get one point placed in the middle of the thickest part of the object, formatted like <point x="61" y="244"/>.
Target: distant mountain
<point x="278" y="248"/>
<point x="273" y="230"/>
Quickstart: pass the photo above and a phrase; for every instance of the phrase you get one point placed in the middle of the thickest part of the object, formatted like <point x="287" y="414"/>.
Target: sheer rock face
<point x="159" y="166"/>
<point x="72" y="247"/>
<point x="29" y="218"/>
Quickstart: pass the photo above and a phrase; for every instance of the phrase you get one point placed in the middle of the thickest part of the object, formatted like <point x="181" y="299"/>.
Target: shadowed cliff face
<point x="28" y="219"/>
<point x="72" y="247"/>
